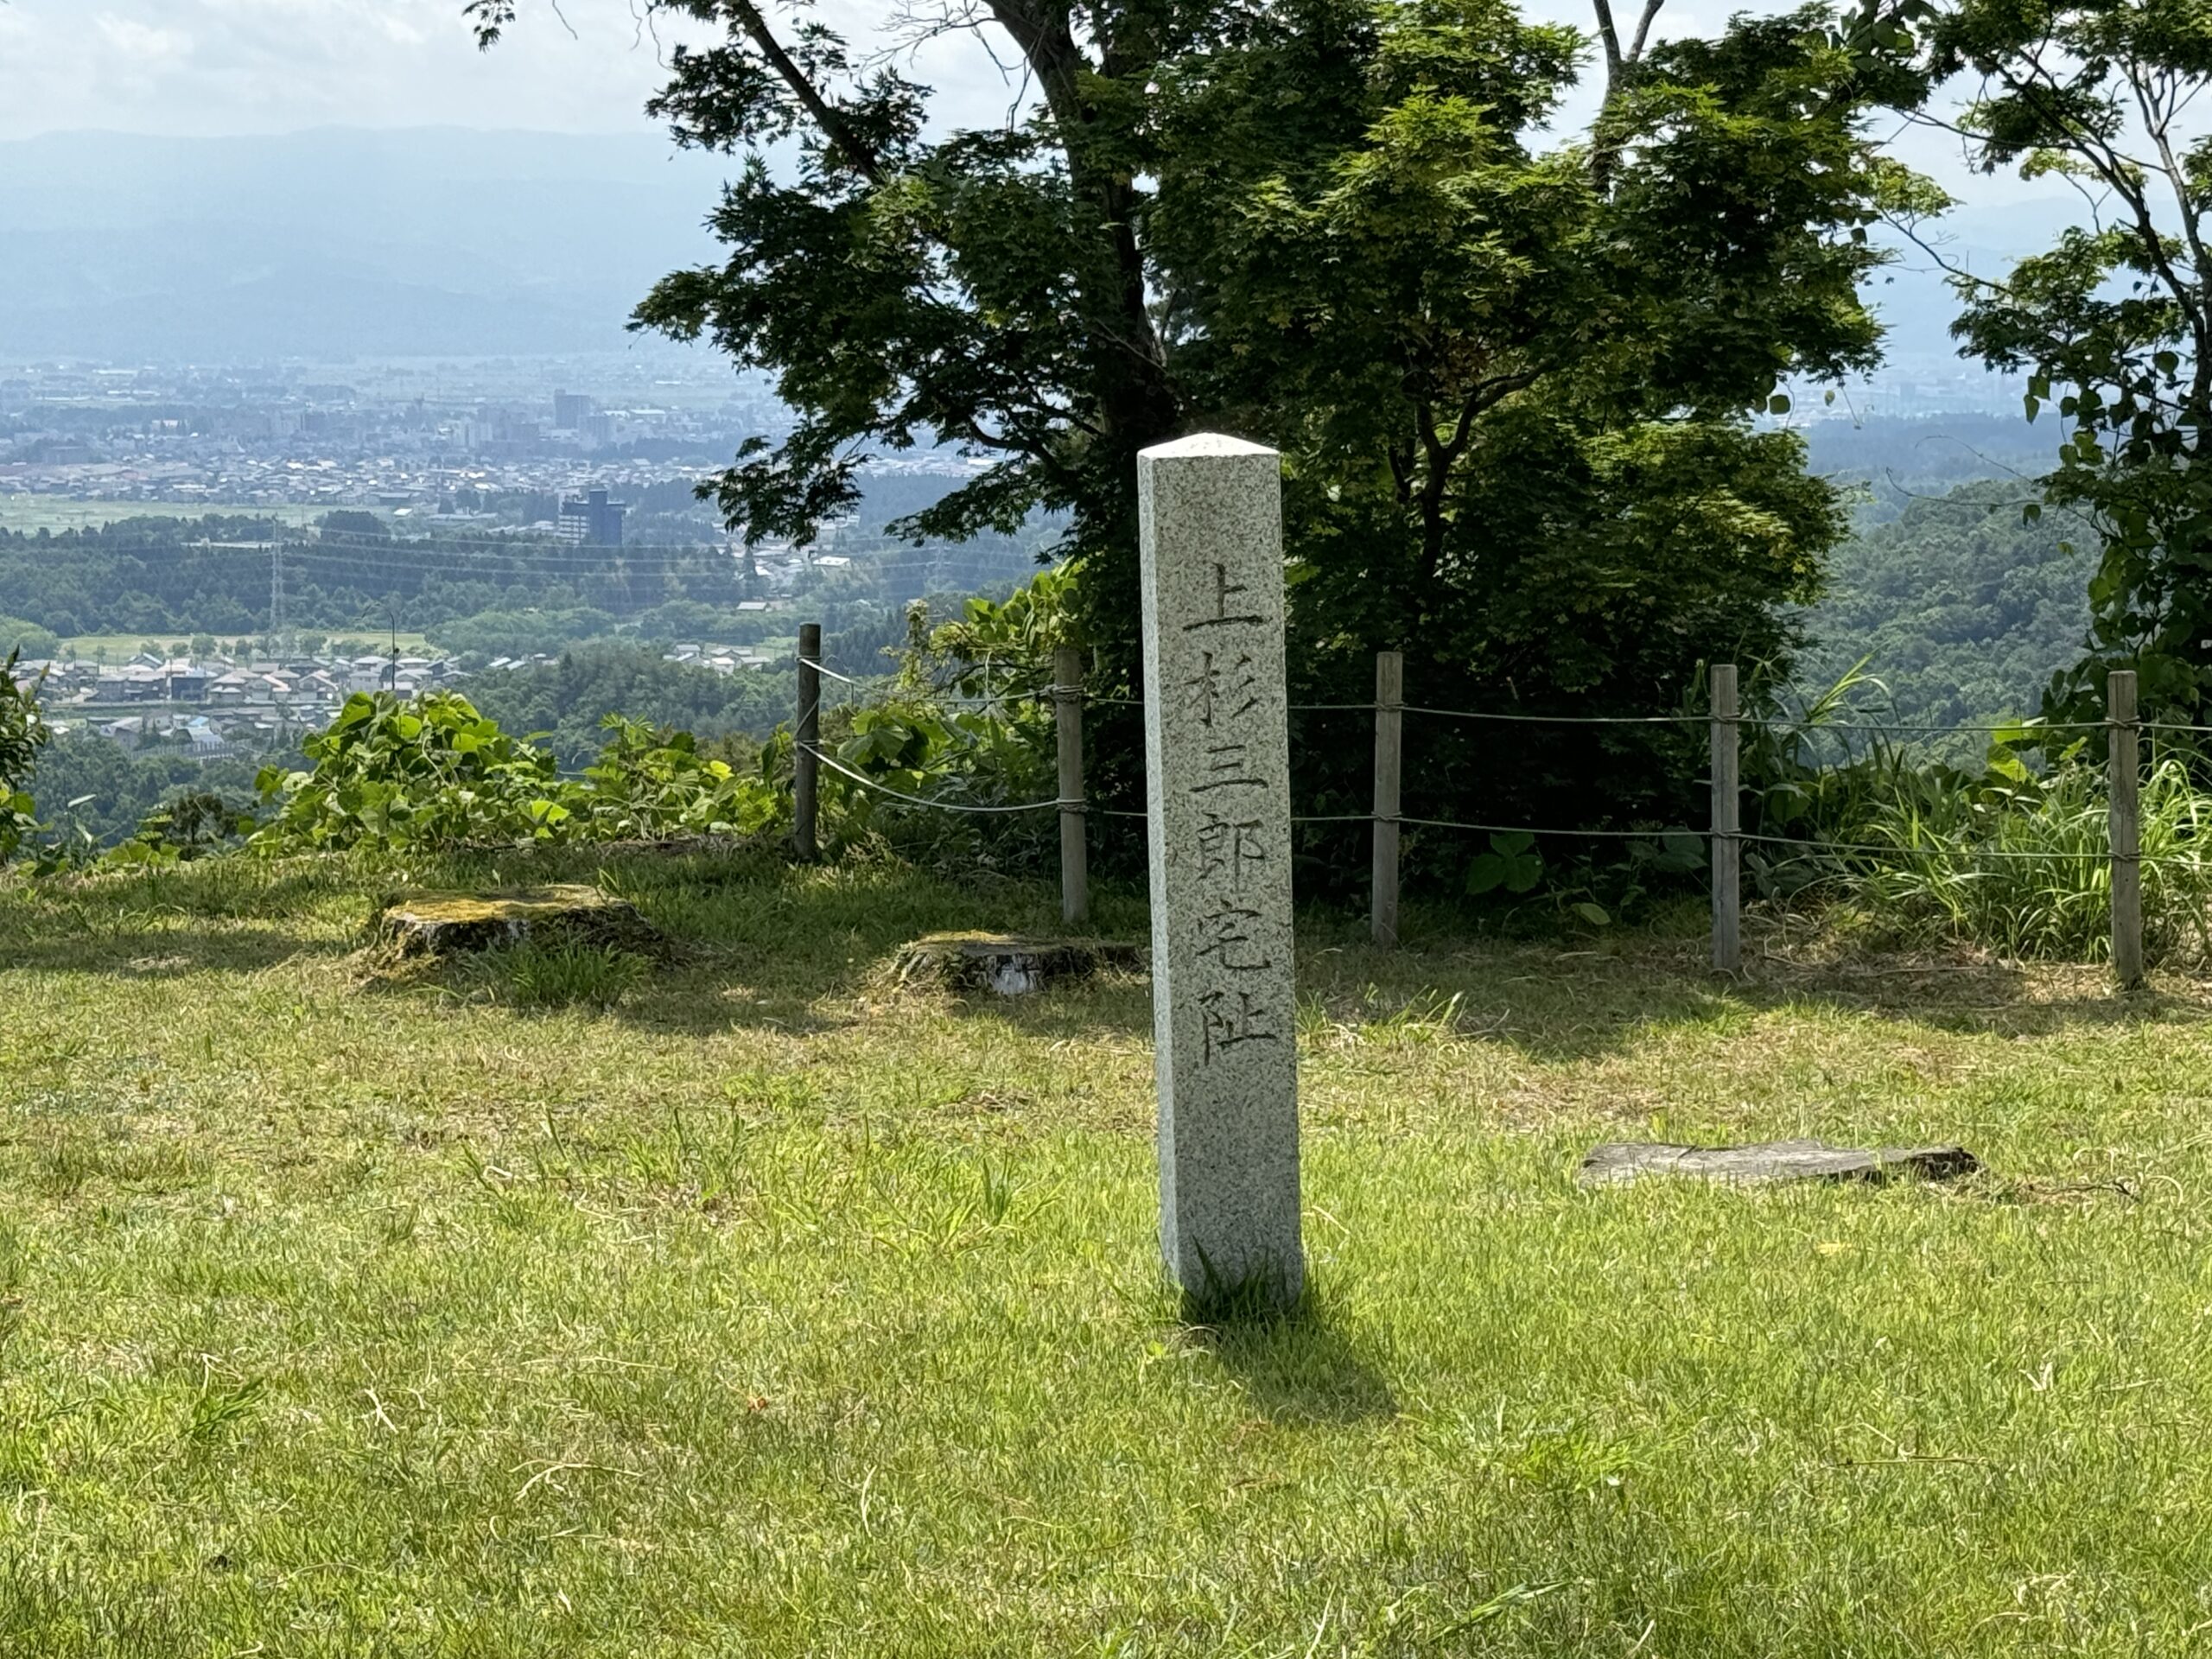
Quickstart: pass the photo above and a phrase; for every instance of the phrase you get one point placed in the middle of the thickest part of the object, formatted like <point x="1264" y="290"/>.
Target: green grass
<point x="762" y="1310"/>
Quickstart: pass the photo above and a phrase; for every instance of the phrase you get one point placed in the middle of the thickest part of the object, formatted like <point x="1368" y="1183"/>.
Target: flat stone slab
<point x="445" y="923"/>
<point x="1619" y="1162"/>
<point x="1009" y="964"/>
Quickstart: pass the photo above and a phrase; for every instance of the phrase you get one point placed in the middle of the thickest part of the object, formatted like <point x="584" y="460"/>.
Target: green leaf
<point x="1593" y="914"/>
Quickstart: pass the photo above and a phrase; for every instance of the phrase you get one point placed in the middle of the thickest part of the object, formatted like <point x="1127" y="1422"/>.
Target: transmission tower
<point x="276" y="594"/>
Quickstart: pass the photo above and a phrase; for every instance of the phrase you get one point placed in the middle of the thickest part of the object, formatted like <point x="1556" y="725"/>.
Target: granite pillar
<point x="1218" y="756"/>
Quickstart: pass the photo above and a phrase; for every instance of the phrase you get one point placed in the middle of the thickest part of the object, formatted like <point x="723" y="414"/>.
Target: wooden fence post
<point x="1075" y="841"/>
<point x="2123" y="762"/>
<point x="806" y="765"/>
<point x="1389" y="723"/>
<point x="1727" y="893"/>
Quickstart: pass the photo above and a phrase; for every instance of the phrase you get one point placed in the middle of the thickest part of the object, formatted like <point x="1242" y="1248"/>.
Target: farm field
<point x="28" y="514"/>
<point x="120" y="647"/>
<point x="753" y="1305"/>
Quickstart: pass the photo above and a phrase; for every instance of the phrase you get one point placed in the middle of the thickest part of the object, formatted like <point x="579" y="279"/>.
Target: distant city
<point x="426" y="445"/>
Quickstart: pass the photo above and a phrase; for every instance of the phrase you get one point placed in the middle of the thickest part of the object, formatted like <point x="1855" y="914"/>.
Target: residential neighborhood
<point x="221" y="705"/>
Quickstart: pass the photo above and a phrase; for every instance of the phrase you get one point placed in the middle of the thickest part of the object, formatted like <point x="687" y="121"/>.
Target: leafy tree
<point x="2113" y="323"/>
<point x="569" y="700"/>
<point x="351" y="525"/>
<point x="27" y="639"/>
<point x="98" y="792"/>
<point x="1511" y="377"/>
<point x="24" y="733"/>
<point x="158" y="577"/>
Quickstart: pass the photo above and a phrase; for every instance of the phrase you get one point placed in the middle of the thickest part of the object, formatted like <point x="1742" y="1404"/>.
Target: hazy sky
<point x="192" y="67"/>
<point x="196" y="68"/>
<point x="223" y="67"/>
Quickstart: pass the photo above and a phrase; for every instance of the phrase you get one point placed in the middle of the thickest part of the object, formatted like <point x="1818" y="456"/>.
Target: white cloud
<point x="143" y="42"/>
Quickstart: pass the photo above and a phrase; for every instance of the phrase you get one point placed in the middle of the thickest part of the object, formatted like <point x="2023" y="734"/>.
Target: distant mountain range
<point x="444" y="241"/>
<point x="337" y="243"/>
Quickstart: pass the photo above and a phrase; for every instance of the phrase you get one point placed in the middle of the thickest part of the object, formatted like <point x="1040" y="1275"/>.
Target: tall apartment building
<point x="595" y="521"/>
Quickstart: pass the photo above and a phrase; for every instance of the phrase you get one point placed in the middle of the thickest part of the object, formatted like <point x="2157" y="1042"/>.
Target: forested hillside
<point x="1964" y="610"/>
<point x="567" y="699"/>
<point x="1895" y="462"/>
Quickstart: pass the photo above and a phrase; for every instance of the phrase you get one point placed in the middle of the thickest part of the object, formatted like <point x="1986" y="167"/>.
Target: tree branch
<point x="1612" y="38"/>
<point x="832" y="123"/>
<point x="1643" y="29"/>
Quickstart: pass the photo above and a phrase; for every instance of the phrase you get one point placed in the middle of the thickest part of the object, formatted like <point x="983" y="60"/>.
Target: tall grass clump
<point x="2021" y="864"/>
<point x="569" y="974"/>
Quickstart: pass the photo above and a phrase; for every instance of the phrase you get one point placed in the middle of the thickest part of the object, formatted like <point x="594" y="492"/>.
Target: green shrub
<point x="24" y="733"/>
<point x="650" y="784"/>
<point x="427" y="772"/>
<point x="967" y="724"/>
<point x="190" y="824"/>
<point x="433" y="773"/>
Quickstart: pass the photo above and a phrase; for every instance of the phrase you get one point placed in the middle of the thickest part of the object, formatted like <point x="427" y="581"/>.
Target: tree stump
<point x="447" y="923"/>
<point x="1007" y="965"/>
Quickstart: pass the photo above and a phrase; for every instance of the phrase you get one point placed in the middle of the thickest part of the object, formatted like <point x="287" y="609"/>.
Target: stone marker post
<point x="1217" y="766"/>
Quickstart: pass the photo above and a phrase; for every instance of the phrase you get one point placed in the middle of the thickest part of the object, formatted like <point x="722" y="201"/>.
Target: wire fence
<point x="1049" y="696"/>
<point x="1723" y="838"/>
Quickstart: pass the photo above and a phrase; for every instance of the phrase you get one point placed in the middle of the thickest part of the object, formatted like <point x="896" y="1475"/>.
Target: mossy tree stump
<point x="1009" y="964"/>
<point x="448" y="923"/>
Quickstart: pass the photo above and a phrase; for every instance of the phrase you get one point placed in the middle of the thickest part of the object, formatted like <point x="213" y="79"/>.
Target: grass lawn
<point x="768" y="1311"/>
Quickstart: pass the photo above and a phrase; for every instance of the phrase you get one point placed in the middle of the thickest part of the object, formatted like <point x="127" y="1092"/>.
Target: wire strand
<point x="2023" y="729"/>
<point x="1554" y="719"/>
<point x="1880" y="849"/>
<point x="829" y="672"/>
<point x="1530" y="830"/>
<point x="866" y="782"/>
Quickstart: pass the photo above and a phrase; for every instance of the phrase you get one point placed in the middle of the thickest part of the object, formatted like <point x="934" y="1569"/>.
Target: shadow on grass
<point x="1565" y="1002"/>
<point x="813" y="962"/>
<point x="1302" y="1366"/>
<point x="811" y="949"/>
<point x="759" y="943"/>
<point x="166" y="952"/>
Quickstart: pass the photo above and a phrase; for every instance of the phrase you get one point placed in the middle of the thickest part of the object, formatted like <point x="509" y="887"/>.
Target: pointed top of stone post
<point x="1203" y="443"/>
